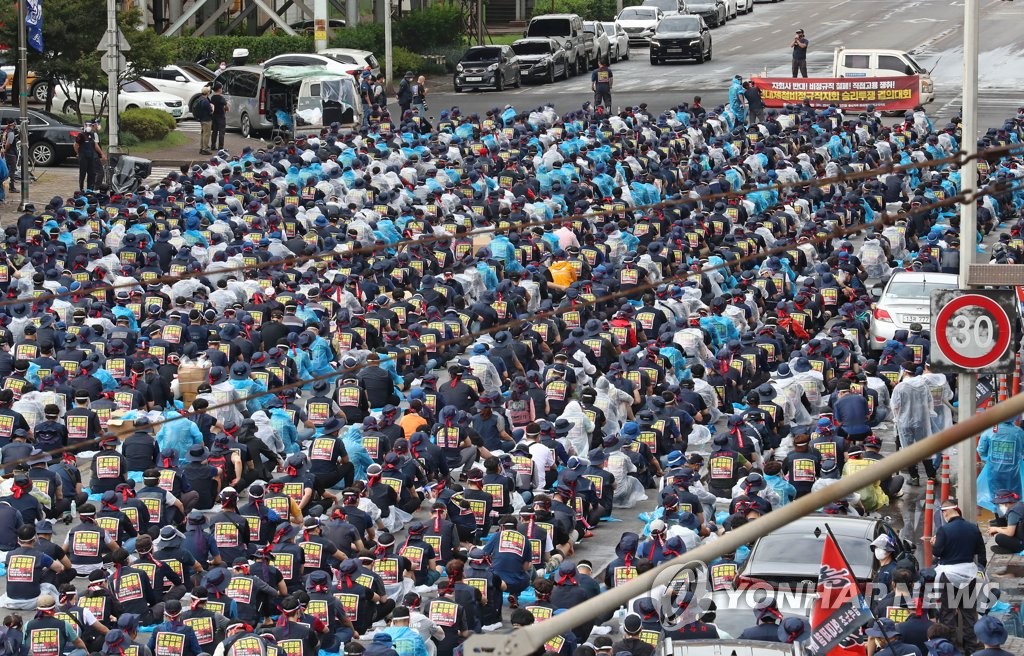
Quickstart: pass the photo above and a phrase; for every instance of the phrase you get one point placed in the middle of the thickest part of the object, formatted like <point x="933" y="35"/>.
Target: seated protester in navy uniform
<point x="991" y="633"/>
<point x="767" y="616"/>
<point x="26" y="570"/>
<point x="39" y="631"/>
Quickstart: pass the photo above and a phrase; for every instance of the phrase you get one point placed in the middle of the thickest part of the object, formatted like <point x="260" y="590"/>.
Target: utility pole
<point x="388" y="54"/>
<point x="319" y="24"/>
<point x="352" y="13"/>
<point x="967" y="494"/>
<point x="23" y="101"/>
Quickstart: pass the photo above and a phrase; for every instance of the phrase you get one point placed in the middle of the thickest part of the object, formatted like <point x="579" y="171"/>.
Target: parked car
<point x="37" y="87"/>
<point x="602" y="43"/>
<point x="906" y="299"/>
<point x="713" y="12"/>
<point x="487" y="66"/>
<point x="731" y="9"/>
<point x="134" y="94"/>
<point x="733" y="647"/>
<point x="358" y="60"/>
<point x="668" y="7"/>
<point x="681" y="37"/>
<point x="309" y="26"/>
<point x="184" y="80"/>
<point x="791" y="555"/>
<point x="333" y="60"/>
<point x="246" y="89"/>
<point x="745" y="6"/>
<point x="51" y="139"/>
<point x="543" y="60"/>
<point x="639" y="23"/>
<point x="619" y="40"/>
<point x="568" y="30"/>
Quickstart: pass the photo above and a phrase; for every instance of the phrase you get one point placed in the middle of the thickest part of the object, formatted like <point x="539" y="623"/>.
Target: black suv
<point x="683" y="36"/>
<point x="487" y="66"/>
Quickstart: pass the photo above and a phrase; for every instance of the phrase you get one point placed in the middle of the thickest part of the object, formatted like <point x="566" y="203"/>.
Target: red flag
<point x="839" y="609"/>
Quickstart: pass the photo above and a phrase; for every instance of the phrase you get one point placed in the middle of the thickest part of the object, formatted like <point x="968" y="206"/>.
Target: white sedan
<point x="185" y="80"/>
<point x="745" y="6"/>
<point x="135" y="94"/>
<point x="619" y="41"/>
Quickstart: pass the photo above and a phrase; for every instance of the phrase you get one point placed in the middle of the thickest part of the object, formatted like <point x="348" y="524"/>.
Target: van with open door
<point x="874" y="62"/>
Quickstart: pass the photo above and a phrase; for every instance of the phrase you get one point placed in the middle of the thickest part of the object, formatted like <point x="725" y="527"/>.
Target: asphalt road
<point x="759" y="44"/>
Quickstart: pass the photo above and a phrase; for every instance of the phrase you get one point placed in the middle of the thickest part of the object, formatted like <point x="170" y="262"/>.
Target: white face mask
<point x="881" y="554"/>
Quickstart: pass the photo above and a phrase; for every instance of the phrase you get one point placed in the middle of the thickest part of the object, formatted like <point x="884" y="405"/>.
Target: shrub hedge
<point x="147" y="124"/>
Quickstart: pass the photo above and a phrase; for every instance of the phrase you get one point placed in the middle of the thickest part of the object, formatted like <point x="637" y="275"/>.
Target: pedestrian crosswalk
<point x="161" y="172"/>
<point x="189" y="125"/>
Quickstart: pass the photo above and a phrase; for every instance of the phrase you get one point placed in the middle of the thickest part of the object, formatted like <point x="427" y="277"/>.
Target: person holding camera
<point x="799" y="54"/>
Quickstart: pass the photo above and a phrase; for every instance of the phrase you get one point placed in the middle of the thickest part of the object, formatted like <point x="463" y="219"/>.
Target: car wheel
<point x="245" y="125"/>
<point x="39" y="91"/>
<point x="519" y="80"/>
<point x="551" y="74"/>
<point x="131" y="107"/>
<point x="626" y="56"/>
<point x="43" y="153"/>
<point x="70" y="107"/>
<point x="700" y="57"/>
<point x="654" y="61"/>
<point x="499" y="83"/>
<point x="708" y="58"/>
<point x="581" y="67"/>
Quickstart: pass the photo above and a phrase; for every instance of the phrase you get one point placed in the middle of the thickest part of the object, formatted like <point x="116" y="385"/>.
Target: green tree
<point x="71" y="31"/>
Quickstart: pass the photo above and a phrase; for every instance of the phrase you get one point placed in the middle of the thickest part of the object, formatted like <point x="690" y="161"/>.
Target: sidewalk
<point x="1011" y="584"/>
<point x="188" y="153"/>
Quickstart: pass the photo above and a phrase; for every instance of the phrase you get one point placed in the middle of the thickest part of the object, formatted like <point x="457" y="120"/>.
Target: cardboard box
<point x="189" y="379"/>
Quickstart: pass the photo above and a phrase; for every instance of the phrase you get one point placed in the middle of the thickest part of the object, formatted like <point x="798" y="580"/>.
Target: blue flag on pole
<point x="34" y="22"/>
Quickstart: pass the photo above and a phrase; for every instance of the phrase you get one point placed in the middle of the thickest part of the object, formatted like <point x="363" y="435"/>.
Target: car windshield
<point x="664" y="5"/>
<point x="137" y="86"/>
<point x="532" y="48"/>
<point x="803" y="553"/>
<point x="917" y="67"/>
<point x="638" y="13"/>
<point x="200" y="73"/>
<point x="589" y="28"/>
<point x="549" y="27"/>
<point x="609" y="28"/>
<point x="920" y="289"/>
<point x="481" y="54"/>
<point x="680" y="24"/>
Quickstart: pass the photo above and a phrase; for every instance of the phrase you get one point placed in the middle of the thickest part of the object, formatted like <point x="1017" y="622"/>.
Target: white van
<point x="870" y="62"/>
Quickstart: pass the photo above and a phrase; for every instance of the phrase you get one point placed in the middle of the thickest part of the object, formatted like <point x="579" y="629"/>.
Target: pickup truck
<point x="874" y="62"/>
<point x="567" y="29"/>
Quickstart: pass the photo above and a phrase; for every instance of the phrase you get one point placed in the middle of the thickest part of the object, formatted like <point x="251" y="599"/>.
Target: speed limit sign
<point x="973" y="330"/>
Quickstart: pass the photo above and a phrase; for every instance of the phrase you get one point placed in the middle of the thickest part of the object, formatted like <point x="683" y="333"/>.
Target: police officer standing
<point x="90" y="156"/>
<point x="601" y="85"/>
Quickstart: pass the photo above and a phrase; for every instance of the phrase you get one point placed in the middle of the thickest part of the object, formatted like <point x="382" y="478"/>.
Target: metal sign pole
<point x="113" y="72"/>
<point x="967" y="382"/>
<point x="23" y="154"/>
